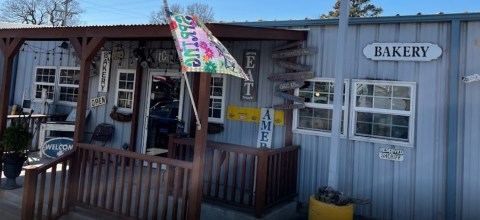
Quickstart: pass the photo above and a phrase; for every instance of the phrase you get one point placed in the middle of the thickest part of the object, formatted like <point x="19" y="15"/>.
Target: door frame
<point x="160" y="72"/>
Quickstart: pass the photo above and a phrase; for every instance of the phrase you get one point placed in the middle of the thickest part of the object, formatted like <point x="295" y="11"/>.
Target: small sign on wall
<point x="265" y="131"/>
<point x="391" y="154"/>
<point x="98" y="101"/>
<point x="402" y="51"/>
<point x="251" y="67"/>
<point x="105" y="71"/>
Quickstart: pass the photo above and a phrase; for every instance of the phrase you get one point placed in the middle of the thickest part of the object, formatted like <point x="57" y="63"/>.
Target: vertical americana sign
<point x="251" y="67"/>
<point x="265" y="131"/>
<point x="104" y="71"/>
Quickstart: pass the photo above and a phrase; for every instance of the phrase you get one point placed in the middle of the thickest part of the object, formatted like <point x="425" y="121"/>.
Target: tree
<point x="204" y="12"/>
<point x="358" y="8"/>
<point x="41" y="12"/>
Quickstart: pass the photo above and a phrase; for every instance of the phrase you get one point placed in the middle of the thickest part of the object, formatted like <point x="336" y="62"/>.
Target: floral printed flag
<point x="199" y="50"/>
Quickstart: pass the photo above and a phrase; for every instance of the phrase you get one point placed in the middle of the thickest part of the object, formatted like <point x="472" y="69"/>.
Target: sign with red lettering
<point x="402" y="51"/>
<point x="251" y="67"/>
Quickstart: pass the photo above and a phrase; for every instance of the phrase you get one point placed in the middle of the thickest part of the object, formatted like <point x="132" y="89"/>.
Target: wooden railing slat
<point x="51" y="191"/>
<point x="29" y="193"/>
<point x="234" y="176"/>
<point x="217" y="179"/>
<point x="166" y="186"/>
<point x="103" y="199"/>
<point x="242" y="177"/>
<point x="176" y="188"/>
<point x="136" y="208"/>
<point x="41" y="192"/>
<point x="209" y="162"/>
<point x="157" y="191"/>
<point x="147" y="190"/>
<point x="113" y="186"/>
<point x="226" y="166"/>
<point x="122" y="183"/>
<point x="62" y="188"/>
<point x="253" y="162"/>
<point x="184" y="193"/>
<point x="90" y="177"/>
<point x="97" y="179"/>
<point x="128" y="203"/>
<point x="83" y="170"/>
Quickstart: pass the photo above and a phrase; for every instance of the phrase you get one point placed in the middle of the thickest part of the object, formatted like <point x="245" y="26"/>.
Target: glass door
<point x="163" y="110"/>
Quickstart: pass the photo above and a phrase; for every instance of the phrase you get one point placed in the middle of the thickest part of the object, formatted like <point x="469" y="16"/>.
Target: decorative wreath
<point x="122" y="117"/>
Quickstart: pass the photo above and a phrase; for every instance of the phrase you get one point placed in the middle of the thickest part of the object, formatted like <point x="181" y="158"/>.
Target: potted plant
<point x="330" y="204"/>
<point x="15" y="142"/>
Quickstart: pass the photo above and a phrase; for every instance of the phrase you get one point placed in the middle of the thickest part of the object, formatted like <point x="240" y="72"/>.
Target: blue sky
<point x="107" y="12"/>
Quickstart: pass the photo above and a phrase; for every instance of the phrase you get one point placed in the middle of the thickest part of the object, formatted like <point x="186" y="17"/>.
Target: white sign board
<point x="98" y="101"/>
<point x="104" y="71"/>
<point x="265" y="130"/>
<point x="391" y="154"/>
<point x="402" y="51"/>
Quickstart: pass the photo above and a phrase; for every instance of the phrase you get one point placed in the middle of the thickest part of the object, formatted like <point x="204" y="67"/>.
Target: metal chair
<point x="103" y="133"/>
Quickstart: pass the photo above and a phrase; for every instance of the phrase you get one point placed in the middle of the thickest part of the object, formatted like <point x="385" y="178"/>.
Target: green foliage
<point x="357" y="8"/>
<point x="16" y="139"/>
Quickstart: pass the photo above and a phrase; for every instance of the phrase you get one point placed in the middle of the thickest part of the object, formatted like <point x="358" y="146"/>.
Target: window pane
<point x="382" y="103"/>
<point x="401" y="91"/>
<point x="364" y="101"/>
<point x="382" y="90"/>
<point x="364" y="89"/>
<point x="401" y="104"/>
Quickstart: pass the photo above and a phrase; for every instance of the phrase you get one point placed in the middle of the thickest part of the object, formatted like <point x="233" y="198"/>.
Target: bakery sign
<point x="402" y="51"/>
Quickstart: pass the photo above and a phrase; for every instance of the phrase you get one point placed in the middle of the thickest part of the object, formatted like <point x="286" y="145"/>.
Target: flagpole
<point x="199" y="125"/>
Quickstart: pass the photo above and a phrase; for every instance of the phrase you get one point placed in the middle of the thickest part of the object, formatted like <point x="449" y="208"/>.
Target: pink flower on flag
<point x="209" y="53"/>
<point x="184" y="68"/>
<point x="203" y="45"/>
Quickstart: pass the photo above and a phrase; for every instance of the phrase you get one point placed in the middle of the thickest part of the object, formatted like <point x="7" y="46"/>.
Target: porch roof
<point x="148" y="31"/>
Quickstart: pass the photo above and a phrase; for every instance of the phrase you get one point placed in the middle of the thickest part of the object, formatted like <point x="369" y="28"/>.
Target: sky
<point x="108" y="12"/>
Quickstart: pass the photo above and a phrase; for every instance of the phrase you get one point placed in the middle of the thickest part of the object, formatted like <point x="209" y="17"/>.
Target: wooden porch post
<point x="86" y="49"/>
<point x="196" y="186"/>
<point x="136" y="108"/>
<point x="9" y="47"/>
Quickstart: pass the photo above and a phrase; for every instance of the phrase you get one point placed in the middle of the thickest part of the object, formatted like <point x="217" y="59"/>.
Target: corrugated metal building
<point x="431" y="114"/>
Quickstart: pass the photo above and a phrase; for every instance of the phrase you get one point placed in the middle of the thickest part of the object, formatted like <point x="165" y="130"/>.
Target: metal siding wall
<point x="413" y="188"/>
<point x="468" y="184"/>
<point x="266" y="88"/>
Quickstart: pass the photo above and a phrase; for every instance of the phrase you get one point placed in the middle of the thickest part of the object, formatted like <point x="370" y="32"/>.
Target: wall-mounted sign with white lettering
<point x="251" y="65"/>
<point x="391" y="154"/>
<point x="104" y="71"/>
<point x="402" y="51"/>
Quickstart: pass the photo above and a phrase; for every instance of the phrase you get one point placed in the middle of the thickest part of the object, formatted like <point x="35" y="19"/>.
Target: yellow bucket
<point x="318" y="210"/>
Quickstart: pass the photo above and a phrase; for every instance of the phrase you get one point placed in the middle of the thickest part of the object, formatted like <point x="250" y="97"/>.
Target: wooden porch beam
<point x="136" y="108"/>
<point x="196" y="187"/>
<point x="9" y="47"/>
<point x="86" y="49"/>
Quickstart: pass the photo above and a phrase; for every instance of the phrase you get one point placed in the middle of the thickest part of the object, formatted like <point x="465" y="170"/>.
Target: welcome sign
<point x="57" y="147"/>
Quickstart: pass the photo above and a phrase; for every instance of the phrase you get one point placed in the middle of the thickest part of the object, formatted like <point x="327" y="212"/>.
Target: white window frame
<point x="59" y="85"/>
<point x="133" y="71"/>
<point x="220" y="120"/>
<point x="378" y="139"/>
<point x="56" y="85"/>
<point x="343" y="133"/>
<point x="35" y="83"/>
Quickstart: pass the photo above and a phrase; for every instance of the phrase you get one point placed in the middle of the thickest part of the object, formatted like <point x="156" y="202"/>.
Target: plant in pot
<point x="15" y="142"/>
<point x="331" y="204"/>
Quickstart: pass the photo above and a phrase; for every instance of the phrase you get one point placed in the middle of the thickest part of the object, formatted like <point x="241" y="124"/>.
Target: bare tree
<point x="358" y="8"/>
<point x="41" y="12"/>
<point x="159" y="17"/>
<point x="203" y="11"/>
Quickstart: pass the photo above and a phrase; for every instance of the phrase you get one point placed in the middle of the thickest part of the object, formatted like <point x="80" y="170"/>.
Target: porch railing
<point x="252" y="178"/>
<point x="107" y="180"/>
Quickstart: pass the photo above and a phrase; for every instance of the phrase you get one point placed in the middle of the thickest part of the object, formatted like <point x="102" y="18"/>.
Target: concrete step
<point x="287" y="210"/>
<point x="9" y="210"/>
<point x="79" y="213"/>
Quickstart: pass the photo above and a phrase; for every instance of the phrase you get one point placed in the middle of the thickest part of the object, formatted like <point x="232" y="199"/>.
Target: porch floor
<point x="11" y="200"/>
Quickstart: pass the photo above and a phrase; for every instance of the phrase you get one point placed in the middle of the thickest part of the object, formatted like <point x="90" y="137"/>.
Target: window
<point x="125" y="89"/>
<point x="45" y="79"/>
<point x="61" y="84"/>
<point x="68" y="84"/>
<point x="316" y="117"/>
<point x="217" y="99"/>
<point x="383" y="112"/>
